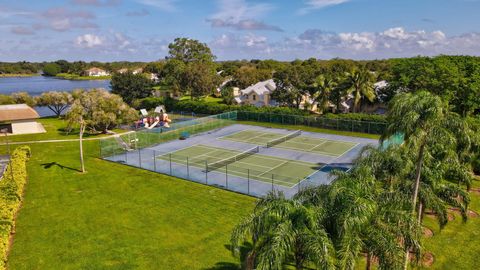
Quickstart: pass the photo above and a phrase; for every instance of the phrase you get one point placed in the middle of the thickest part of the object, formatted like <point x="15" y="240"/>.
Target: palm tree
<point x="369" y="218"/>
<point x="428" y="128"/>
<point x="360" y="84"/>
<point x="280" y="228"/>
<point x="322" y="89"/>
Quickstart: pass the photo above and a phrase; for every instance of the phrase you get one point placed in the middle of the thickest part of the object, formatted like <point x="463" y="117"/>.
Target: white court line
<point x="348" y="150"/>
<point x="274" y="167"/>
<point x="320" y="144"/>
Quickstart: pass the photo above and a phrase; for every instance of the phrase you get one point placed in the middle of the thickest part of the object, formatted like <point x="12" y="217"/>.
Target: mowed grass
<point x="56" y="130"/>
<point x="457" y="245"/>
<point x="119" y="217"/>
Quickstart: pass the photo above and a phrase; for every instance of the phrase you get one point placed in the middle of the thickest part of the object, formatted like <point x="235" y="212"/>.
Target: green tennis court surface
<point x="300" y="143"/>
<point x="258" y="167"/>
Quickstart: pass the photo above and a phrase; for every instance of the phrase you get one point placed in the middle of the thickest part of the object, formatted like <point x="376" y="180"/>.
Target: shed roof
<point x="14" y="112"/>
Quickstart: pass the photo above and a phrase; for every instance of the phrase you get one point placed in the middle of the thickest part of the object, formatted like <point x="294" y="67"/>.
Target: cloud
<point x="139" y="13"/>
<point x="61" y="19"/>
<point x="165" y="5"/>
<point x="97" y="3"/>
<point x="319" y="4"/>
<point x="240" y="15"/>
<point x="246" y="24"/>
<point x="21" y="30"/>
<point x="89" y="41"/>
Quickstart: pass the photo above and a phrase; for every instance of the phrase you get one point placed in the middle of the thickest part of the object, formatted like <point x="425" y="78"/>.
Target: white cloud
<point x="241" y="15"/>
<point x="165" y="5"/>
<point x="89" y="41"/>
<point x="319" y="4"/>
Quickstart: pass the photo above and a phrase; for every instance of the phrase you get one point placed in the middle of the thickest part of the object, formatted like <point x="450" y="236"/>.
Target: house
<point x="96" y="72"/>
<point x="137" y="71"/>
<point x="19" y="119"/>
<point x="257" y="94"/>
<point x="122" y="70"/>
<point x="260" y="93"/>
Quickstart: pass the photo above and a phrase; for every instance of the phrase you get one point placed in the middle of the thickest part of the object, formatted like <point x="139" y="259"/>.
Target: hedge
<point x="202" y="107"/>
<point x="11" y="191"/>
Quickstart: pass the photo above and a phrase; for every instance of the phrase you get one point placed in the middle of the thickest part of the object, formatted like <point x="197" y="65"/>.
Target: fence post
<point x="368" y="128"/>
<point x="154" y="161"/>
<point x="170" y="158"/>
<point x="206" y="172"/>
<point x="226" y="175"/>
<point x="272" y="182"/>
<point x="248" y="181"/>
<point x="188" y="170"/>
<point x="139" y="158"/>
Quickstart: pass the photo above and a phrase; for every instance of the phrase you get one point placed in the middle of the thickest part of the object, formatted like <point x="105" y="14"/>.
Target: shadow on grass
<point x="244" y="250"/>
<point x="51" y="164"/>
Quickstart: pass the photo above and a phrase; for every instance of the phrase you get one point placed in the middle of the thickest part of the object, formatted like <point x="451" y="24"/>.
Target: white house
<point x="258" y="94"/>
<point x="137" y="71"/>
<point x="19" y="119"/>
<point x="96" y="72"/>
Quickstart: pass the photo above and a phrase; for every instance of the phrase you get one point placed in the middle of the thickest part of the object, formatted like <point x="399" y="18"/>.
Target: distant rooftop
<point x="14" y="112"/>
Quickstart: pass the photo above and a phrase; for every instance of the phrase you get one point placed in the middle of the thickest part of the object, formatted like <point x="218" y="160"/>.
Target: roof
<point x="261" y="88"/>
<point x="95" y="69"/>
<point x="14" y="112"/>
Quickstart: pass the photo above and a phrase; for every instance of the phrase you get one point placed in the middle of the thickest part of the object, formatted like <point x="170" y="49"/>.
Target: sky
<point x="140" y="30"/>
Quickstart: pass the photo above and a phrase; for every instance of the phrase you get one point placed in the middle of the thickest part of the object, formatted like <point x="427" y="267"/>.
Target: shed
<point x="19" y="119"/>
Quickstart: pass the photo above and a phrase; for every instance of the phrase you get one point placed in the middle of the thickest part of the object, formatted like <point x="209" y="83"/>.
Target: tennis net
<point x="284" y="138"/>
<point x="218" y="164"/>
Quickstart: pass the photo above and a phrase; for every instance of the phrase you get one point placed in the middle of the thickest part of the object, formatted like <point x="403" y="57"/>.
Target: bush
<point x="476" y="165"/>
<point x="11" y="191"/>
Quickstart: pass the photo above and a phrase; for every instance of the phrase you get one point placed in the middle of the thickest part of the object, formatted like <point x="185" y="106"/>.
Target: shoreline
<point x="18" y="75"/>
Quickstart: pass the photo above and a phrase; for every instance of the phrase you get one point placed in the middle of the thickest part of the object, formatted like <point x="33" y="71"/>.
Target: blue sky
<point x="140" y="30"/>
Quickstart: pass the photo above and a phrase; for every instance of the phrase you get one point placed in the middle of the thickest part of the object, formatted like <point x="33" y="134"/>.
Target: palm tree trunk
<point x="369" y="261"/>
<point x="415" y="192"/>
<point x="82" y="129"/>
<point x="250" y="264"/>
<point x="420" y="211"/>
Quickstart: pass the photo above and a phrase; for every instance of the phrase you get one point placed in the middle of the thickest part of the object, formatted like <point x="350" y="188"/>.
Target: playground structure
<point x="160" y="118"/>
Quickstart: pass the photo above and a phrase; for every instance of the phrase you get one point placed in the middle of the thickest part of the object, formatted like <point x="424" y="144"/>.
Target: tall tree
<point x="322" y="90"/>
<point x="189" y="50"/>
<point x="292" y="85"/>
<point x="57" y="102"/>
<point x="359" y="83"/>
<point x="131" y="86"/>
<point x="97" y="110"/>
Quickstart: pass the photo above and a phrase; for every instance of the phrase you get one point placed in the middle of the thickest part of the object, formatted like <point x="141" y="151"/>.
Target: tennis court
<point x="293" y="141"/>
<point x="248" y="164"/>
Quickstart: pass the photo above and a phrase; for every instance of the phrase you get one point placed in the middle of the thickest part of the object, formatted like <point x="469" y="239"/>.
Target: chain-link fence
<point x="149" y="137"/>
<point x="312" y="121"/>
<point x="231" y="177"/>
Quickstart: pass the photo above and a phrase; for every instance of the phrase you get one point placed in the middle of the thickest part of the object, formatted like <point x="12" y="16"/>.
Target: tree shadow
<point x="243" y="252"/>
<point x="51" y="164"/>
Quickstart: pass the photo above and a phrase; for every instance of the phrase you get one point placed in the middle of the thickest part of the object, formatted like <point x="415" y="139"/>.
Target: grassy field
<point x="74" y="77"/>
<point x="105" y="220"/>
<point x="18" y="75"/>
<point x="56" y="130"/>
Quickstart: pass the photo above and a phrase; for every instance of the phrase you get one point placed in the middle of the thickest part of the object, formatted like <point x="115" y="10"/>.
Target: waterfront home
<point x="96" y="72"/>
<point x="19" y="119"/>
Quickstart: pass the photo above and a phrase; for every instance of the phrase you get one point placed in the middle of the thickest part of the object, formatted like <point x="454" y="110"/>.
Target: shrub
<point x="476" y="165"/>
<point x="11" y="191"/>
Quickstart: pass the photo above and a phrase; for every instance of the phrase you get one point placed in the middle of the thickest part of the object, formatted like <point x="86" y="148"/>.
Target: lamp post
<point x="5" y="131"/>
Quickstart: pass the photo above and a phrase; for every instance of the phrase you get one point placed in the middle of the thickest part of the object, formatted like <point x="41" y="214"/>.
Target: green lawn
<point x="56" y="130"/>
<point x="119" y="217"/>
<point x="311" y="129"/>
<point x="75" y="77"/>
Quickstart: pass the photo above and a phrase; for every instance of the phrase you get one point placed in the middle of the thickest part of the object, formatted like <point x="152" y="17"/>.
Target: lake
<point x="38" y="84"/>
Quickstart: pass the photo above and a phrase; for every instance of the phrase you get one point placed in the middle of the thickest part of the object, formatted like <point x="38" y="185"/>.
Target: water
<point x="38" y="84"/>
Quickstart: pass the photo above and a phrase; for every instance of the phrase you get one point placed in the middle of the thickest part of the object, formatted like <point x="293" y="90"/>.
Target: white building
<point x="260" y="93"/>
<point x="96" y="72"/>
<point x="19" y="119"/>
